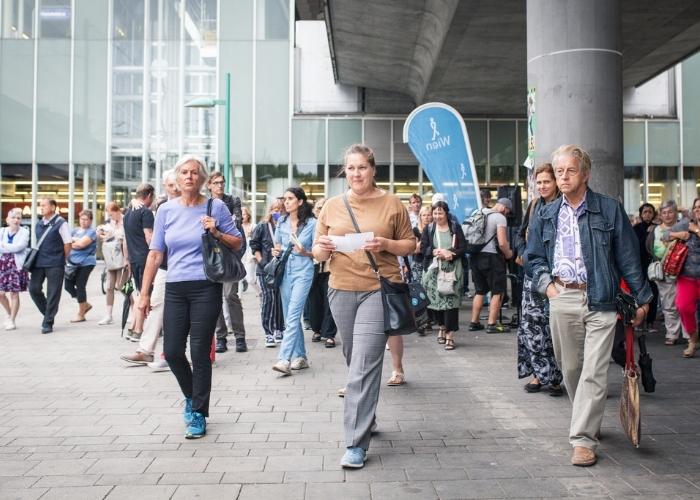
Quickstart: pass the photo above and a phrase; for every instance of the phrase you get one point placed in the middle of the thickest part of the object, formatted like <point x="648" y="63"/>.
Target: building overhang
<point x="472" y="53"/>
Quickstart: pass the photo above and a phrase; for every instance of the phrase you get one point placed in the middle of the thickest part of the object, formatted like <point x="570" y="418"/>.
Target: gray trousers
<point x="359" y="317"/>
<point x="583" y="343"/>
<point x="233" y="302"/>
<point x="672" y="320"/>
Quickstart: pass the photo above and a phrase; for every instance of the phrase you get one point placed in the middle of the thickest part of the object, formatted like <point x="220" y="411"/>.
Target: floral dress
<point x="535" y="349"/>
<point x="11" y="278"/>
<point x="443" y="239"/>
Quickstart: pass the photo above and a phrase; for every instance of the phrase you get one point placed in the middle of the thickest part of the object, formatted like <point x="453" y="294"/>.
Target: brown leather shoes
<point x="583" y="457"/>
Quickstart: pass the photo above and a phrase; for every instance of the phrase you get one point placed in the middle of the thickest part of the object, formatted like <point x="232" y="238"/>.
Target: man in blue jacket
<point x="578" y="250"/>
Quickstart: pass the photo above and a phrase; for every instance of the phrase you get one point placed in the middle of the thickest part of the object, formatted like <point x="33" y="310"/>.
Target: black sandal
<point x="449" y="344"/>
<point x="441" y="336"/>
<point x="316" y="337"/>
<point x="330" y="343"/>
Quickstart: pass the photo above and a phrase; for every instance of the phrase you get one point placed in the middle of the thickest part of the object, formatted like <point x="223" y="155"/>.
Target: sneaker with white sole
<point x="279" y="336"/>
<point x="159" y="365"/>
<point x="341" y="392"/>
<point x="354" y="458"/>
<point x="107" y="320"/>
<point x="270" y="341"/>
<point x="197" y="427"/>
<point x="137" y="358"/>
<point x="10" y="325"/>
<point x="299" y="364"/>
<point x="282" y="367"/>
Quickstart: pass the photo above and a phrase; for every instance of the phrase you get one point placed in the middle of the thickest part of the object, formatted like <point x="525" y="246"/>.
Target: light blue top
<point x="297" y="262"/>
<point x="84" y="256"/>
<point x="178" y="230"/>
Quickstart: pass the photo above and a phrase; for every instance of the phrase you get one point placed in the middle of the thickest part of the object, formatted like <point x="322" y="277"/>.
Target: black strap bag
<point x="273" y="272"/>
<point x="30" y="259"/>
<point x="399" y="318"/>
<point x="221" y="264"/>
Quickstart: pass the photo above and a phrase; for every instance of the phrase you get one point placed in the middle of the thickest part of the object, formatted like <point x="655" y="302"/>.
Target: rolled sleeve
<point x="65" y="233"/>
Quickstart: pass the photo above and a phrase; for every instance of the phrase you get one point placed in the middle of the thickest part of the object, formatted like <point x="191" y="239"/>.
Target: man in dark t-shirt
<point x="138" y="229"/>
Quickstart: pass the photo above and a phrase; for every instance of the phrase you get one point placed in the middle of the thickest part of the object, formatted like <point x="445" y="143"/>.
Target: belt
<point x="575" y="286"/>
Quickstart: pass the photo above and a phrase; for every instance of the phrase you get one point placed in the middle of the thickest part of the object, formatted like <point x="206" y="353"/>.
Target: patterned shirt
<point x="568" y="258"/>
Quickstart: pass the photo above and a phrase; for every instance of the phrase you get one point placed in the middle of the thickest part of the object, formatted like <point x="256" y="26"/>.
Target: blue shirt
<point x="84" y="256"/>
<point x="178" y="230"/>
<point x="568" y="258"/>
<point x="297" y="262"/>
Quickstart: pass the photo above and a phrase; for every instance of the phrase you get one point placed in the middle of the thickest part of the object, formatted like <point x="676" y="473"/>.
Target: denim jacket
<point x="609" y="246"/>
<point x="296" y="262"/>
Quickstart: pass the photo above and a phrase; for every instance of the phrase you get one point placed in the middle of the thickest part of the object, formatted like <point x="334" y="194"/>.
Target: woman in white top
<point x="248" y="259"/>
<point x="14" y="247"/>
<point x="112" y="237"/>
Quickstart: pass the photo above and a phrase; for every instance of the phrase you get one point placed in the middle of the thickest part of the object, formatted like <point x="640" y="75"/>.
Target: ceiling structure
<point x="472" y="53"/>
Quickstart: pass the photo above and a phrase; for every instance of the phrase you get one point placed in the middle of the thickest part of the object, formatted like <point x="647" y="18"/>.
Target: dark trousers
<point x="319" y="308"/>
<point x="191" y="308"/>
<point x="76" y="286"/>
<point x="270" y="308"/>
<point x="448" y="318"/>
<point x="235" y="312"/>
<point x="47" y="304"/>
<point x="654" y="304"/>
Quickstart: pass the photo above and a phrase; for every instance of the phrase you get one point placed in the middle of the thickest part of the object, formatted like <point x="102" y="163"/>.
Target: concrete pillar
<point x="574" y="62"/>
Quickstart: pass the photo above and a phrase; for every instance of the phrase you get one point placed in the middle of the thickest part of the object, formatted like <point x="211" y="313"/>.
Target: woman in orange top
<point x="354" y="294"/>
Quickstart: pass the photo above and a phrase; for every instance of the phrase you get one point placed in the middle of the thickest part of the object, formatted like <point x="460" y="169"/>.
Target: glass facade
<point x="94" y="94"/>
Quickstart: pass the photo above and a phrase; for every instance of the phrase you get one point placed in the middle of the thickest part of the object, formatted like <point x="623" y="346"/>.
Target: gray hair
<point x="669" y="204"/>
<point x="14" y="211"/>
<point x="203" y="171"/>
<point x="573" y="151"/>
<point x="169" y="175"/>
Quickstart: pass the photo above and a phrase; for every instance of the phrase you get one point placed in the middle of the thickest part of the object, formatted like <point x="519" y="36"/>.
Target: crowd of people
<point x="572" y="248"/>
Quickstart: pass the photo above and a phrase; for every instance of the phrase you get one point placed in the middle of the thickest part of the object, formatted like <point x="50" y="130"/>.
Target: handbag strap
<point x="372" y="262"/>
<point x="285" y="256"/>
<point x="51" y="223"/>
<point x="629" y="348"/>
<point x="272" y="234"/>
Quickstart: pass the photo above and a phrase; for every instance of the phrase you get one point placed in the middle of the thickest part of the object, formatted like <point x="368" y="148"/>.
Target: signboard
<point x="436" y="134"/>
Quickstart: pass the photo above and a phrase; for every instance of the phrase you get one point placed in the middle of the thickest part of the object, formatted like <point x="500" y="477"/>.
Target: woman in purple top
<point x="192" y="303"/>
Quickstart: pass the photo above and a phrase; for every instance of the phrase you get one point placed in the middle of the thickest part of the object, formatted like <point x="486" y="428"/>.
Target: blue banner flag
<point x="436" y="134"/>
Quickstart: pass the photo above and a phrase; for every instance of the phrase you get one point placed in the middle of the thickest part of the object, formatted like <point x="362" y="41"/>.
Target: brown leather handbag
<point x="630" y="412"/>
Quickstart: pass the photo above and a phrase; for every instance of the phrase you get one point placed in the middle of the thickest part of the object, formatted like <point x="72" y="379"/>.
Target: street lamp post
<point x="208" y="102"/>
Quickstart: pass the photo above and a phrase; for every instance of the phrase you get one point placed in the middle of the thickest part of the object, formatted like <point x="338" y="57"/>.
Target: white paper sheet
<point x="351" y="241"/>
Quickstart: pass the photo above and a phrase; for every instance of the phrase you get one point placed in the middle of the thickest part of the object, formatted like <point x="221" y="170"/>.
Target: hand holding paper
<point x="351" y="242"/>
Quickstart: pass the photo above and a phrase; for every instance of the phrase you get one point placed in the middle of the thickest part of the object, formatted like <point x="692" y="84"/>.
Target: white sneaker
<point x="10" y="325"/>
<point x="107" y="320"/>
<point x="282" y="367"/>
<point x="159" y="365"/>
<point x="299" y="364"/>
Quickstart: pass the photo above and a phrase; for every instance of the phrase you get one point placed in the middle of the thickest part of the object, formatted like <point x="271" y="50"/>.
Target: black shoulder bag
<point x="30" y="259"/>
<point x="273" y="272"/>
<point x="221" y="264"/>
<point x="399" y="318"/>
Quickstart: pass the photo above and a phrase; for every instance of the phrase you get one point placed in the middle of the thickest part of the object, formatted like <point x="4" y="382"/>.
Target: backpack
<point x="474" y="228"/>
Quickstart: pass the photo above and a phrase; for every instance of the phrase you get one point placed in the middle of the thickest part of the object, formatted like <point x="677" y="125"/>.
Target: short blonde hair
<point x="573" y="151"/>
<point x="203" y="171"/>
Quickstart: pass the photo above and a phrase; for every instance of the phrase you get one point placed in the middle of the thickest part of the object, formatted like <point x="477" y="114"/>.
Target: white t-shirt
<point x="494" y="220"/>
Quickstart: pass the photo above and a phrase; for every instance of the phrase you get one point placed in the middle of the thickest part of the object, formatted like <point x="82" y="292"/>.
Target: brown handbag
<point x="630" y="412"/>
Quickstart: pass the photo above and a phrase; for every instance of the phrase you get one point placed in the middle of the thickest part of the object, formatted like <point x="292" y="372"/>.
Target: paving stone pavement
<point x="78" y="423"/>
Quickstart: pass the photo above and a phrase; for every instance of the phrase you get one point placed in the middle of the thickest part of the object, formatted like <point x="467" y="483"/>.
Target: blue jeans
<point x="295" y="287"/>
